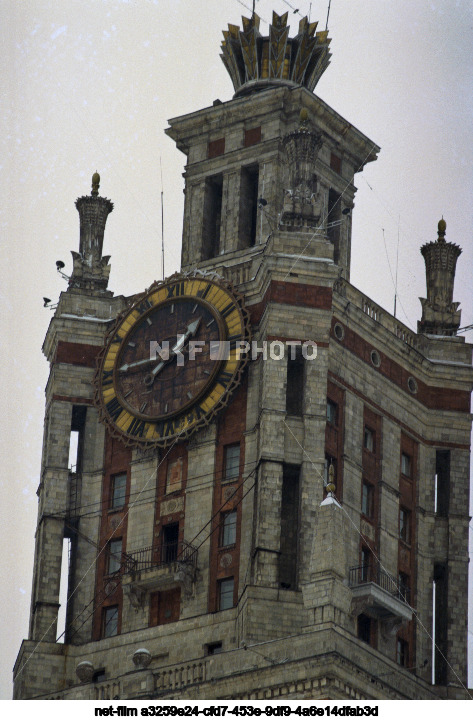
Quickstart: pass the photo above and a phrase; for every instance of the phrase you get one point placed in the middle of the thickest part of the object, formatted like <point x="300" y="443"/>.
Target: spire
<point x="440" y="315"/>
<point x="255" y="62"/>
<point x="91" y="270"/>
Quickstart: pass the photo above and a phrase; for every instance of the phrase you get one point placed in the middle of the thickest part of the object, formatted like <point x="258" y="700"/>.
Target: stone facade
<point x="332" y="593"/>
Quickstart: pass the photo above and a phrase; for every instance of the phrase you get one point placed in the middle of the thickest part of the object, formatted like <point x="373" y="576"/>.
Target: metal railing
<point x="372" y="573"/>
<point x="159" y="556"/>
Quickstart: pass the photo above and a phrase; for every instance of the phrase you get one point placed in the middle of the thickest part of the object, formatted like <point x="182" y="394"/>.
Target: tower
<point x="252" y="516"/>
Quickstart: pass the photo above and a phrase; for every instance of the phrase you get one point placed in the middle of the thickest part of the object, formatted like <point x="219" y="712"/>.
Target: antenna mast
<point x="162" y="216"/>
<point x="328" y="13"/>
<point x="397" y="266"/>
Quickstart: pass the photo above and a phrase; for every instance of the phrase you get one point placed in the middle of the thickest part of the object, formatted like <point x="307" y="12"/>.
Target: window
<point x="367" y="499"/>
<point x="211" y="649"/>
<point x="118" y="490"/>
<point x="366" y="565"/>
<point x="369" y="439"/>
<point x="405" y="525"/>
<point x="212" y="217"/>
<point x="114" y="559"/>
<point x="406" y="465"/>
<point x="170" y="542"/>
<point x="232" y="462"/>
<point x="295" y="385"/>
<point x="110" y="621"/>
<point x="402" y="652"/>
<point x="248" y="211"/>
<point x="228" y="528"/>
<point x="364" y="628"/>
<point x="404" y="587"/>
<point x="442" y="477"/>
<point x="332" y="412"/>
<point x="225" y="594"/>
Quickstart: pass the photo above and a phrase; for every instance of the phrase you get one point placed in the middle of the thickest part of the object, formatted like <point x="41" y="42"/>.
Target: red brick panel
<point x="79" y="354"/>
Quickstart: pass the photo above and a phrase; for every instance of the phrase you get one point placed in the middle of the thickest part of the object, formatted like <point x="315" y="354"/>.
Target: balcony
<point x="158" y="568"/>
<point x="377" y="594"/>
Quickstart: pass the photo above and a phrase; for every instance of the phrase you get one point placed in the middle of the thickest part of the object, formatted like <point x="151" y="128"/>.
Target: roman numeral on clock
<point x="114" y="409"/>
<point x="224" y="377"/>
<point x="107" y="378"/>
<point x="175" y="290"/>
<point x="144" y="305"/>
<point x="228" y="309"/>
<point x="136" y="427"/>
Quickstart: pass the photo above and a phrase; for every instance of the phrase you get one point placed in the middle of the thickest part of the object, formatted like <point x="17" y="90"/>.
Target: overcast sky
<point x="89" y="85"/>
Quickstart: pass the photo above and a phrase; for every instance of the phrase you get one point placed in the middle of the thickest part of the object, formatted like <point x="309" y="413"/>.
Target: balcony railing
<point x="159" y="556"/>
<point x="359" y="575"/>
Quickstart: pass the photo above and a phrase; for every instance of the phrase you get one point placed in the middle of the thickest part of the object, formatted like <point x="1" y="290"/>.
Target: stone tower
<point x="274" y="521"/>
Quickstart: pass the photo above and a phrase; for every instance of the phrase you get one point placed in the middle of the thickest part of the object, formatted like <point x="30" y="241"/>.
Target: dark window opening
<point x="118" y="490"/>
<point x="212" y="217"/>
<point x="336" y="163"/>
<point x="332" y="412"/>
<point x="110" y="621"/>
<point x="225" y="593"/>
<point x="288" y="557"/>
<point x="404" y="587"/>
<point x="248" y="212"/>
<point x="228" y="528"/>
<point x="211" y="649"/>
<point x="295" y="386"/>
<point x="442" y="471"/>
<point x="441" y="651"/>
<point x="76" y="445"/>
<point x="170" y="542"/>
<point x="367" y="500"/>
<point x="405" y="525"/>
<point x="231" y="462"/>
<point x="364" y="628"/>
<point x="334" y="222"/>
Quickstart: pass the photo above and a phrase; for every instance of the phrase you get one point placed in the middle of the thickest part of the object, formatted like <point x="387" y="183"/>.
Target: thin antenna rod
<point x="310" y="10"/>
<point x="328" y="13"/>
<point x="162" y="216"/>
<point x="397" y="266"/>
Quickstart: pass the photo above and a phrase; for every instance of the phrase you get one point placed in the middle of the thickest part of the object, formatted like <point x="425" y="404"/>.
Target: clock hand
<point x="127" y="366"/>
<point x="190" y="331"/>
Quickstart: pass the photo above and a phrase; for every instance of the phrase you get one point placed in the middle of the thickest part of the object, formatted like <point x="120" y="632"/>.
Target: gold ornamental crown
<point x="255" y="62"/>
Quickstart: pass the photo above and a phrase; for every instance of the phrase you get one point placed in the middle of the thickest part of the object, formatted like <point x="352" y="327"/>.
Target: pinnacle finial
<point x="442" y="227"/>
<point x="95" y="184"/>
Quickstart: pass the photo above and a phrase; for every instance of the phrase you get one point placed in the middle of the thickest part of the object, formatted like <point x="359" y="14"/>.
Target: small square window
<point x="228" y="528"/>
<point x="402" y="652"/>
<point x="114" y="559"/>
<point x="406" y="465"/>
<point x="405" y="525"/>
<point x="367" y="499"/>
<point x="369" y="439"/>
<point x="232" y="462"/>
<point x="211" y="649"/>
<point x="332" y="412"/>
<point x="226" y="593"/>
<point x="118" y="490"/>
<point x="110" y="621"/>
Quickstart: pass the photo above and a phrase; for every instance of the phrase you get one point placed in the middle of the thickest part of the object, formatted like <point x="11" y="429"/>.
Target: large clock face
<point x="171" y="361"/>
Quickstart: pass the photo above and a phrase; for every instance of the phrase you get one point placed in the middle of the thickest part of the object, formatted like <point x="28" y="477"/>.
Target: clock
<point x="172" y="360"/>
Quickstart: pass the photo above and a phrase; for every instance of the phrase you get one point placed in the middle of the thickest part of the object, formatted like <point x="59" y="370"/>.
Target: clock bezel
<point x="202" y="409"/>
